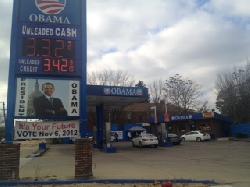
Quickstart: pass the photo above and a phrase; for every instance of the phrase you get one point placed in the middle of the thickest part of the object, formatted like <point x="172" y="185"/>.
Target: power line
<point x="4" y="112"/>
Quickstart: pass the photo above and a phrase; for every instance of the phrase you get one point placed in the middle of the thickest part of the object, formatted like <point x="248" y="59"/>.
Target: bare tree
<point x="182" y="93"/>
<point x="156" y="91"/>
<point x="111" y="78"/>
<point x="233" y="93"/>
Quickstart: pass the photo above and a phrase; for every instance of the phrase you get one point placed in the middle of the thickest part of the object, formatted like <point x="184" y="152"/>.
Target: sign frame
<point x="35" y="130"/>
<point x="13" y="75"/>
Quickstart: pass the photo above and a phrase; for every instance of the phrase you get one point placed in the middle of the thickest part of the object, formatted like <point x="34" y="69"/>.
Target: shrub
<point x="2" y="132"/>
<point x="241" y="135"/>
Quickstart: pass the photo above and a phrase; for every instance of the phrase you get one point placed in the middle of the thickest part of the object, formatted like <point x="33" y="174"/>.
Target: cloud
<point x="4" y="67"/>
<point x="3" y="91"/>
<point x="155" y="39"/>
<point x="126" y="24"/>
<point x="196" y="41"/>
<point x="5" y="22"/>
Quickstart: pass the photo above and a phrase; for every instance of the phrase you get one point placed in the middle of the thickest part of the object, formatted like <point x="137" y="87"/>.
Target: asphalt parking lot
<point x="221" y="161"/>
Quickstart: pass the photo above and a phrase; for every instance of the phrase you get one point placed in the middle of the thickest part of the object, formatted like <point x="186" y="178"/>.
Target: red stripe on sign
<point x="47" y="1"/>
<point x="54" y="11"/>
<point x="51" y="5"/>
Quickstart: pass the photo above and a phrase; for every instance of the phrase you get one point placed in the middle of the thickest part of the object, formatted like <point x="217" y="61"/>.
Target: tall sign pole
<point x="47" y="74"/>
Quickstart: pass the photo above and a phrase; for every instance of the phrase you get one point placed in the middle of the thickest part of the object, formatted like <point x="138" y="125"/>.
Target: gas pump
<point x="107" y="135"/>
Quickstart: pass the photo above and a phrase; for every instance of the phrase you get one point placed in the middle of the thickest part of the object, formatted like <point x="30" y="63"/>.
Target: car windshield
<point x="124" y="91"/>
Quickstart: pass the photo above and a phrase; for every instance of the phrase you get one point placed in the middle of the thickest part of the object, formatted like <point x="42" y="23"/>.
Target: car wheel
<point x="140" y="144"/>
<point x="156" y="146"/>
<point x="198" y="139"/>
<point x="183" y="139"/>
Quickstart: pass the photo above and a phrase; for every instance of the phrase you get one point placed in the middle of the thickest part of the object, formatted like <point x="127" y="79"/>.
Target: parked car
<point x="2" y="140"/>
<point x="195" y="136"/>
<point x="174" y="138"/>
<point x="145" y="140"/>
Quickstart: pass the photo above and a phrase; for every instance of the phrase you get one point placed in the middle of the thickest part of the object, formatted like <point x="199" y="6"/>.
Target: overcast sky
<point x="155" y="39"/>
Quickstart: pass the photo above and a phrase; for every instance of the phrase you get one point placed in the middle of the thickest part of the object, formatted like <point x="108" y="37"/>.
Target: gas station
<point x="108" y="98"/>
<point x="48" y="98"/>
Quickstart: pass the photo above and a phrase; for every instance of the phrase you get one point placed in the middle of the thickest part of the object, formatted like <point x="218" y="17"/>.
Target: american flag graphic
<point x="51" y="6"/>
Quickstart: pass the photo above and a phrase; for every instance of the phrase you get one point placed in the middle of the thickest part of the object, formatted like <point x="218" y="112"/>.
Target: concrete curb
<point x="104" y="181"/>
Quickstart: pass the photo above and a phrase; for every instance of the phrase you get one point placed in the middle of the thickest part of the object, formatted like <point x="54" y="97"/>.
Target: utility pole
<point x="166" y="120"/>
<point x="4" y="114"/>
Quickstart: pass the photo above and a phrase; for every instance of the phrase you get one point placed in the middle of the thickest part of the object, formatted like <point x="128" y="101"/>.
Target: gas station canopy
<point x="115" y="96"/>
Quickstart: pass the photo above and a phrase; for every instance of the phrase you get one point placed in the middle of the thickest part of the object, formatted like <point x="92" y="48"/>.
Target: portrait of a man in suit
<point x="47" y="105"/>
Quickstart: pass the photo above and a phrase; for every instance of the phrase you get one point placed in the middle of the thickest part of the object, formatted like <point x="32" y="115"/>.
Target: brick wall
<point x="9" y="161"/>
<point x="83" y="158"/>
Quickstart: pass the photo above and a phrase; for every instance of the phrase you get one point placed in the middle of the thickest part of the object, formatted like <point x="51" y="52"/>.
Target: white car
<point x="195" y="136"/>
<point x="145" y="140"/>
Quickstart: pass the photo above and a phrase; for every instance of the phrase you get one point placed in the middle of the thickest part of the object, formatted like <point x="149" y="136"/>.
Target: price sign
<point x="55" y="56"/>
<point x="48" y="47"/>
